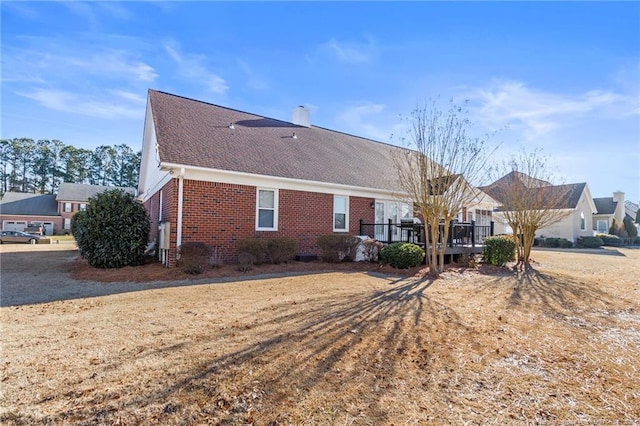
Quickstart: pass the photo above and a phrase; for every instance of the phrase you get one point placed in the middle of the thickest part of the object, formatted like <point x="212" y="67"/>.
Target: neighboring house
<point x="609" y="209"/>
<point x="19" y="210"/>
<point x="73" y="197"/>
<point x="577" y="206"/>
<point x="218" y="175"/>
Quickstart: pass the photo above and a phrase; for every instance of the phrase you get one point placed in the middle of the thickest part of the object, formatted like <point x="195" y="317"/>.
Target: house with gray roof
<point x="217" y="175"/>
<point x="73" y="197"/>
<point x="51" y="211"/>
<point x="575" y="205"/>
<point x="609" y="209"/>
<point x="18" y="210"/>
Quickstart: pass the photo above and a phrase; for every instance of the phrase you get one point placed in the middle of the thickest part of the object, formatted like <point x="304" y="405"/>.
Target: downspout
<point x="180" y="193"/>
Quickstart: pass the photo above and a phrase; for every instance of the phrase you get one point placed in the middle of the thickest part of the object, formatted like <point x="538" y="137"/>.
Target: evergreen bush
<point x="498" y="250"/>
<point x="402" y="255"/>
<point x="113" y="231"/>
<point x="589" y="242"/>
<point x="557" y="242"/>
<point x="610" y="240"/>
<point x="630" y="228"/>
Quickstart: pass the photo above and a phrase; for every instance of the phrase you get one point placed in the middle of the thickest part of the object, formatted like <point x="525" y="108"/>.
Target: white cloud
<point x="51" y="61"/>
<point x="351" y="52"/>
<point x="81" y="103"/>
<point x="254" y="80"/>
<point x="536" y="112"/>
<point x="359" y="120"/>
<point x="193" y="67"/>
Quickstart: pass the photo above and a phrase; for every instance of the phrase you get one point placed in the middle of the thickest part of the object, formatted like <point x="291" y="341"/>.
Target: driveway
<point x="38" y="273"/>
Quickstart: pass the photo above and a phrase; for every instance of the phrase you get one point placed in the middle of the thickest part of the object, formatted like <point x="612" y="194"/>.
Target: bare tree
<point x="529" y="201"/>
<point x="437" y="171"/>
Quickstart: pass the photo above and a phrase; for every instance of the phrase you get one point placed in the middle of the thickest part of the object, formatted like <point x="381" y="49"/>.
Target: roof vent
<point x="301" y="117"/>
<point x="231" y="126"/>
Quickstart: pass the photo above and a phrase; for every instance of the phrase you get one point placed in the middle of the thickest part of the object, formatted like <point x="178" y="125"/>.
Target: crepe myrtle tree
<point x="113" y="231"/>
<point x="437" y="170"/>
<point x="529" y="201"/>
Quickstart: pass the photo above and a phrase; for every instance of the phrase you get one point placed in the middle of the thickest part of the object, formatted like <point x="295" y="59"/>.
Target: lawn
<point x="483" y="346"/>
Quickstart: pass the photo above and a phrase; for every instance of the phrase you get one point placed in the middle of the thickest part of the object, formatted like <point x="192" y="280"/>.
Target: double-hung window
<point x="83" y="207"/>
<point x="267" y="210"/>
<point x="340" y="213"/>
<point x="583" y="222"/>
<point x="67" y="207"/>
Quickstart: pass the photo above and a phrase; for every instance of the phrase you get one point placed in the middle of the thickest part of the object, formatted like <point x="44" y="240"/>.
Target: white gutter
<point x="180" y="193"/>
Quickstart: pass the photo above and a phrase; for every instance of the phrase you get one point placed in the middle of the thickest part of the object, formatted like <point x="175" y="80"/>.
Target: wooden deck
<point x="463" y="238"/>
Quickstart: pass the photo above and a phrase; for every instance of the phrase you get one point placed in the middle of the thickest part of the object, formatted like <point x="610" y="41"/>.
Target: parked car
<point x="18" y="237"/>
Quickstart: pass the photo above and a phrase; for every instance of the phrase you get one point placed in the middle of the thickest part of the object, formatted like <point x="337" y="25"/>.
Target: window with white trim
<point x="67" y="223"/>
<point x="67" y="207"/>
<point x="583" y="222"/>
<point x="267" y="210"/>
<point x="83" y="207"/>
<point x="603" y="226"/>
<point x="340" y="213"/>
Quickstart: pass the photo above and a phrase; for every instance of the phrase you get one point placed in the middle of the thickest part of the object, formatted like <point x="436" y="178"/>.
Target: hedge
<point x="402" y="255"/>
<point x="499" y="250"/>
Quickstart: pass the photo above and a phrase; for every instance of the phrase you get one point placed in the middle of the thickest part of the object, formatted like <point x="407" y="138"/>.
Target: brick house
<point x="73" y="197"/>
<point x="217" y="175"/>
<point x="53" y="211"/>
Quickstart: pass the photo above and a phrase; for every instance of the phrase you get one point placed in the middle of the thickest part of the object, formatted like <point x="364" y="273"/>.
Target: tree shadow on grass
<point x="316" y="355"/>
<point x="556" y="293"/>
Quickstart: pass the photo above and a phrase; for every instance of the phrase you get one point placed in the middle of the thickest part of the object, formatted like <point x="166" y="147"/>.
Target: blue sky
<point x="563" y="77"/>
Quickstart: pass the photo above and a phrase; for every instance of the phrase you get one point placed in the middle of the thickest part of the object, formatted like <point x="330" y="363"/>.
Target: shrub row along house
<point x="52" y="212"/>
<point x="218" y="175"/>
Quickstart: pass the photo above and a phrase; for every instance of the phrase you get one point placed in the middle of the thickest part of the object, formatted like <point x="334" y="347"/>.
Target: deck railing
<point x="460" y="233"/>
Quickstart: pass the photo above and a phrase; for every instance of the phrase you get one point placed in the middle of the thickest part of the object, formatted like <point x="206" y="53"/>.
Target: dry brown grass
<point x="487" y="346"/>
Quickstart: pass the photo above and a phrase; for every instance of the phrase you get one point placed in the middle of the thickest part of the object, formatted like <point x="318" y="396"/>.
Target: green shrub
<point x="281" y="250"/>
<point x="256" y="247"/>
<point x="194" y="257"/>
<point x="636" y="241"/>
<point x="336" y="248"/>
<point x="113" y="231"/>
<point x="610" y="240"/>
<point x="589" y="242"/>
<point x="557" y="242"/>
<point x="402" y="255"/>
<point x="630" y="228"/>
<point x="498" y="250"/>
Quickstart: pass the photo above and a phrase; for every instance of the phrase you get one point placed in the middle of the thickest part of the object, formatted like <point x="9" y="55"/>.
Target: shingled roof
<point x="195" y="133"/>
<point x="82" y="192"/>
<point x="537" y="188"/>
<point x="605" y="205"/>
<point x="20" y="203"/>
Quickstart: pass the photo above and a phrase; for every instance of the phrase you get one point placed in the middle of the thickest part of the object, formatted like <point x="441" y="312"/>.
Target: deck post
<point x="491" y="227"/>
<point x="473" y="233"/>
<point x="360" y="228"/>
<point x="450" y="234"/>
<point x="389" y="239"/>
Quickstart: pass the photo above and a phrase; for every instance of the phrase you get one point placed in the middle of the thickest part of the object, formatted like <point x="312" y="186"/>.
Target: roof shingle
<point x="195" y="133"/>
<point x="20" y="203"/>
